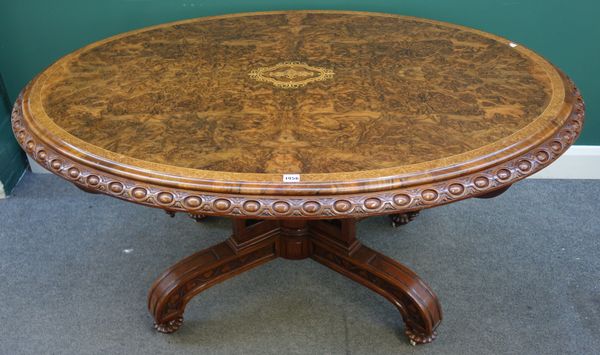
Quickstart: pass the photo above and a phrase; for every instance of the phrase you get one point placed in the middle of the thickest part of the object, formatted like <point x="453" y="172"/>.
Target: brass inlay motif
<point x="291" y="75"/>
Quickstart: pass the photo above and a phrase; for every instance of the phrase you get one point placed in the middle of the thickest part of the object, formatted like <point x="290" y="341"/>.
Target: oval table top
<point x="310" y="114"/>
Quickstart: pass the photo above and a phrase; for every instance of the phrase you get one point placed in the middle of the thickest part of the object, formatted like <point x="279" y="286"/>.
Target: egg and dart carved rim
<point x="326" y="199"/>
<point x="310" y="207"/>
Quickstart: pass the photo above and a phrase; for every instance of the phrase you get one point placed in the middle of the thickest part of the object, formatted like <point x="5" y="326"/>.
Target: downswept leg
<point x="418" y="305"/>
<point x="247" y="248"/>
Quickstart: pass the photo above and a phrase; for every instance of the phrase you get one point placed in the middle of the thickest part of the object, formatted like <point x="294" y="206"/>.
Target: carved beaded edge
<point x="314" y="207"/>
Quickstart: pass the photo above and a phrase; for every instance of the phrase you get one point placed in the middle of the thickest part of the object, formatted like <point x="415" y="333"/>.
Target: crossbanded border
<point x="578" y="162"/>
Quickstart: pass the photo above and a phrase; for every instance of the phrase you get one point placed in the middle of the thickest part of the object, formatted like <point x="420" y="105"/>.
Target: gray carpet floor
<point x="518" y="274"/>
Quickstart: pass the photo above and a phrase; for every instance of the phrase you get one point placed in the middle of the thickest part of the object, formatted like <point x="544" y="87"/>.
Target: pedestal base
<point x="332" y="243"/>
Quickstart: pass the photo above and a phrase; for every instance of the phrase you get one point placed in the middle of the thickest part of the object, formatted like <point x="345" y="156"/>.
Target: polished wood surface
<point x="377" y="114"/>
<point x="388" y="92"/>
<point x="368" y="113"/>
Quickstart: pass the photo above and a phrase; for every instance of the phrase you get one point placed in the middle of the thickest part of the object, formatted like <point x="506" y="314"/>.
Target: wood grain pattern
<point x="404" y="92"/>
<point x="425" y="114"/>
<point x="409" y="98"/>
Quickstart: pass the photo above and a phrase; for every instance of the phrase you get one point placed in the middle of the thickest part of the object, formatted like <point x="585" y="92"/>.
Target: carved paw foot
<point x="418" y="338"/>
<point x="170" y="326"/>
<point x="197" y="217"/>
<point x="401" y="219"/>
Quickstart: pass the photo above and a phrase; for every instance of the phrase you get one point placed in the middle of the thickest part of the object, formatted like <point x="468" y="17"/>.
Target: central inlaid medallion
<point x="290" y="75"/>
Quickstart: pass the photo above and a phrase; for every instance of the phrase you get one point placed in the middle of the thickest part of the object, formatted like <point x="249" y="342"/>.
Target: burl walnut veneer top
<point x="347" y="100"/>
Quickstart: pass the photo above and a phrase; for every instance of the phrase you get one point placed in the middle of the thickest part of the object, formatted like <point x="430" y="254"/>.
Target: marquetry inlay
<point x="291" y="75"/>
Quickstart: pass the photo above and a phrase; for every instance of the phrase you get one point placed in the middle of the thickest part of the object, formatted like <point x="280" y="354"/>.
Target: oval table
<point x="297" y="125"/>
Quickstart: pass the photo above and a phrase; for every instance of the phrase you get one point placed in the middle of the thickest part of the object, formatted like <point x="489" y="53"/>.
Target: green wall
<point x="34" y="33"/>
<point x="12" y="159"/>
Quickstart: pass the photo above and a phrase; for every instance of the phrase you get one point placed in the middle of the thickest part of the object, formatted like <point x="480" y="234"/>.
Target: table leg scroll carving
<point x="418" y="305"/>
<point x="171" y="292"/>
<point x="400" y="219"/>
<point x="332" y="243"/>
<point x="197" y="217"/>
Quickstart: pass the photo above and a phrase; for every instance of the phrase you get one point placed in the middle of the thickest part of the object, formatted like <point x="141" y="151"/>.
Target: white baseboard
<point x="578" y="162"/>
<point x="36" y="168"/>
